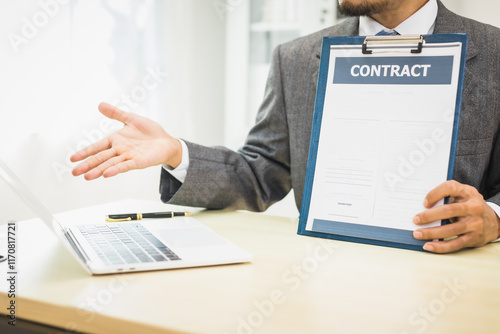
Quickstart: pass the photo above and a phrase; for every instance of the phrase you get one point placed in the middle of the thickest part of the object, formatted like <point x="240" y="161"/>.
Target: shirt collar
<point x="420" y="23"/>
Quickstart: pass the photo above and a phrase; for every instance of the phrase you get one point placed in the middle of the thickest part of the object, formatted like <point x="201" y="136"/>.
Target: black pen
<point x="138" y="216"/>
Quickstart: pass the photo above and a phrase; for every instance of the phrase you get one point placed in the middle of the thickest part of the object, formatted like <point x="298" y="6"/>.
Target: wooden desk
<point x="295" y="284"/>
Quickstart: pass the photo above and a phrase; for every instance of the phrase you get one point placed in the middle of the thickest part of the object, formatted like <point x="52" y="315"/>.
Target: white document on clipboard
<point x="386" y="138"/>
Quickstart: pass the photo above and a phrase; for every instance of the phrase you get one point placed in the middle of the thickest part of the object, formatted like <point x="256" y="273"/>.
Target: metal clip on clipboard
<point x="384" y="42"/>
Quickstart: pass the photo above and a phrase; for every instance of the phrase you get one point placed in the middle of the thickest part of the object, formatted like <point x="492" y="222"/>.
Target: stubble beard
<point x="365" y="8"/>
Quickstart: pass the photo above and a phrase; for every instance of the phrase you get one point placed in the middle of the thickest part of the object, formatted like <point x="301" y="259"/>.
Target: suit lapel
<point x="448" y="22"/>
<point x="349" y="27"/>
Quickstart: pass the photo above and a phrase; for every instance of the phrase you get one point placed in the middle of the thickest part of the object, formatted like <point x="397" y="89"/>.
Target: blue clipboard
<point x="355" y="232"/>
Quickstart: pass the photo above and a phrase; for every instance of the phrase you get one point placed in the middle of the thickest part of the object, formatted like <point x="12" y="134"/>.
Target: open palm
<point x="141" y="143"/>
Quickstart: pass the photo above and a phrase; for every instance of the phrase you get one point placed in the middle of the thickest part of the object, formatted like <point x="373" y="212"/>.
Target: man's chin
<point x="363" y="8"/>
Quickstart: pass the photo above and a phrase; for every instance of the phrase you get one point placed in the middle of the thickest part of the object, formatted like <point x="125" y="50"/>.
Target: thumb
<point x="113" y="112"/>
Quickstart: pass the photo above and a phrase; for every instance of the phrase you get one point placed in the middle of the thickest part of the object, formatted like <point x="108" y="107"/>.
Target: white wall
<point x="194" y="46"/>
<point x="50" y="94"/>
<point x="486" y="11"/>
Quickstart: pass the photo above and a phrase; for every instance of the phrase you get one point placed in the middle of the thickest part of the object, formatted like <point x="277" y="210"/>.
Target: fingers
<point x="106" y="164"/>
<point x="468" y="210"/>
<point x="93" y="161"/>
<point x="448" y="246"/>
<point x="102" y="157"/>
<point x="101" y="169"/>
<point x="122" y="167"/>
<point x="443" y="231"/>
<point x="464" y="231"/>
<point x="464" y="201"/>
<point x="113" y="112"/>
<point x="441" y="212"/>
<point x="92" y="149"/>
<point x="449" y="188"/>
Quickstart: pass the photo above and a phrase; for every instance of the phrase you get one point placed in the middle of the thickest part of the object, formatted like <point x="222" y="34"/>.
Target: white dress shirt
<point x="181" y="171"/>
<point x="422" y="22"/>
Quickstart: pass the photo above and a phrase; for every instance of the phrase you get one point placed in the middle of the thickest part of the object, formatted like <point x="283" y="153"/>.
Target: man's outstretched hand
<point x="141" y="143"/>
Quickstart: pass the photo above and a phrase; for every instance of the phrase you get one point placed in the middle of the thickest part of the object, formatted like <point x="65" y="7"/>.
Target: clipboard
<point x="370" y="165"/>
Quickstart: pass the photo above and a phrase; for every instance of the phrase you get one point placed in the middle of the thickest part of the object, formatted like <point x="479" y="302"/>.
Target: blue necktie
<point x="387" y="32"/>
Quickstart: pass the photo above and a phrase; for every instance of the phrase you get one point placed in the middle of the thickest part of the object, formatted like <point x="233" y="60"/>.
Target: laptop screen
<point x="22" y="191"/>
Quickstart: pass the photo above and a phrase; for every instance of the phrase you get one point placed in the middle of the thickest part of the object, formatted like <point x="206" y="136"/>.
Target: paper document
<point x="386" y="134"/>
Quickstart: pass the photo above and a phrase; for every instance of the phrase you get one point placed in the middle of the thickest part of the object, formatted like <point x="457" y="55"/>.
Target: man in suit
<point x="274" y="157"/>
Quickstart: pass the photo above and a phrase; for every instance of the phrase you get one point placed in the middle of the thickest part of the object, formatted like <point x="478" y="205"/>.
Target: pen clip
<point x="111" y="220"/>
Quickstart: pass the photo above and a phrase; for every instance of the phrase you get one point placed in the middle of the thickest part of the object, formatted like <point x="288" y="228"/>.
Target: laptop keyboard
<point x="126" y="243"/>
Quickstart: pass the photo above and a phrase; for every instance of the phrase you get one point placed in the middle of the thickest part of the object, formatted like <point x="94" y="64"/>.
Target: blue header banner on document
<point x="377" y="150"/>
<point x="423" y="70"/>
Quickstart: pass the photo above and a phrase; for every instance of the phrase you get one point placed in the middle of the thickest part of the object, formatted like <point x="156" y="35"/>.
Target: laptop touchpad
<point x="195" y="237"/>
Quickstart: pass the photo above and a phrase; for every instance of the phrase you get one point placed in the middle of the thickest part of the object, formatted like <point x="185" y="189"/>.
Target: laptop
<point x="106" y="248"/>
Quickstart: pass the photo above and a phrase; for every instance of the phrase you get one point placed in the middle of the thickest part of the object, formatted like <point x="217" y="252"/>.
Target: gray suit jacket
<point x="274" y="157"/>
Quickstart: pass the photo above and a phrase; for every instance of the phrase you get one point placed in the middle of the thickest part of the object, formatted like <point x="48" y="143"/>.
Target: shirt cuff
<point x="181" y="171"/>
<point x="495" y="208"/>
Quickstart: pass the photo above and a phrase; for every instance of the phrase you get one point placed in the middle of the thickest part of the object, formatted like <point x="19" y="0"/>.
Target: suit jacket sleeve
<point x="253" y="178"/>
<point x="492" y="193"/>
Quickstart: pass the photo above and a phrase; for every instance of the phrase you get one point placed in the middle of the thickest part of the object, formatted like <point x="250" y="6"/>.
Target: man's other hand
<point x="475" y="223"/>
